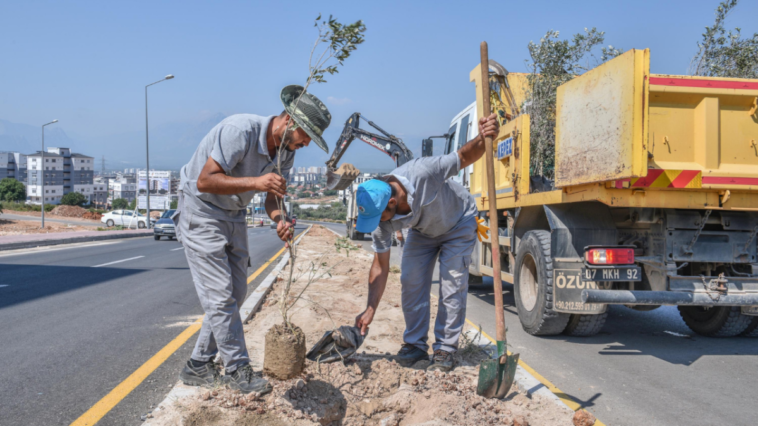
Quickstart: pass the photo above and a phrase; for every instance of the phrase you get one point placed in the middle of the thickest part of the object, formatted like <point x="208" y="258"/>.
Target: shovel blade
<point x="495" y="378"/>
<point x="341" y="178"/>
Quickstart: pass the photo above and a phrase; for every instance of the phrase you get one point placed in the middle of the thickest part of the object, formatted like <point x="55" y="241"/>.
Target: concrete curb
<point x="43" y="243"/>
<point x="254" y="301"/>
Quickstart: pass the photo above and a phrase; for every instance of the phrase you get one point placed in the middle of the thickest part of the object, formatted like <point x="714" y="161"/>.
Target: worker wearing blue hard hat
<point x="441" y="217"/>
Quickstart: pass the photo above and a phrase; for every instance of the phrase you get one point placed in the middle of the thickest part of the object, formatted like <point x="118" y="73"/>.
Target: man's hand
<point x="284" y="230"/>
<point x="363" y="320"/>
<point x="489" y="126"/>
<point x="272" y="183"/>
<point x="474" y="149"/>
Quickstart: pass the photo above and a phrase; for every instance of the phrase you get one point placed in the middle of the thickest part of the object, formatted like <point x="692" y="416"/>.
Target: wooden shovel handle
<point x="492" y="199"/>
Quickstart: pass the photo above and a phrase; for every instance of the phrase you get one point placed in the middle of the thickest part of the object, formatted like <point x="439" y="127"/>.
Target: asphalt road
<point x="643" y="368"/>
<point x="72" y="331"/>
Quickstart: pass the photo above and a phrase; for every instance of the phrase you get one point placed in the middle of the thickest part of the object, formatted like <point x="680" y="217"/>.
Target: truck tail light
<point x="610" y="256"/>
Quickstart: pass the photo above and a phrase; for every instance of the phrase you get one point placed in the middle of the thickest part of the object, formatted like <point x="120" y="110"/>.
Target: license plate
<point x="568" y="287"/>
<point x="620" y="273"/>
<point x="505" y="148"/>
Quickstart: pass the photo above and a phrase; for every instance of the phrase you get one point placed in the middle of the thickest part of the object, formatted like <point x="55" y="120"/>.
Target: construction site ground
<point x="370" y="388"/>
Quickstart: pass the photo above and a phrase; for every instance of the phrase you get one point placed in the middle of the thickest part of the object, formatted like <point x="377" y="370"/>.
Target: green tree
<point x="133" y="204"/>
<point x="120" y="203"/>
<point x="330" y="192"/>
<point x="554" y="62"/>
<point x="725" y="54"/>
<point x="174" y="204"/>
<point x="12" y="190"/>
<point x="73" y="199"/>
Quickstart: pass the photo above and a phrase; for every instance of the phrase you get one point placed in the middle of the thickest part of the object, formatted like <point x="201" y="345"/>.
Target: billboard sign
<point x="158" y="186"/>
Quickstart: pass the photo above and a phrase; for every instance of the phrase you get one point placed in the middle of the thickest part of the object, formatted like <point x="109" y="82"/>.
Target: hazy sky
<point x="86" y="63"/>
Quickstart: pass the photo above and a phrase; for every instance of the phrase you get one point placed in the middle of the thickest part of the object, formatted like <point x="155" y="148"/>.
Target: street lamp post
<point x="147" y="153"/>
<point x="41" y="173"/>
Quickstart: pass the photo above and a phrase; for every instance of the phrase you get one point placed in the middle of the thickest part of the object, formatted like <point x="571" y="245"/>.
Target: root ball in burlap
<point x="284" y="353"/>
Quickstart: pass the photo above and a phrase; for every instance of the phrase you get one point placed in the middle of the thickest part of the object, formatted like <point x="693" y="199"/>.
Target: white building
<point x="62" y="172"/>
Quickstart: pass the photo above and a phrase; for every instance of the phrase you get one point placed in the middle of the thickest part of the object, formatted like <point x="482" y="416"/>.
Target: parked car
<point x="125" y="218"/>
<point x="164" y="227"/>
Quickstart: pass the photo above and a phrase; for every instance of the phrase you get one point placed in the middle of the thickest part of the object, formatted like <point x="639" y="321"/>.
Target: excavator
<point x="341" y="178"/>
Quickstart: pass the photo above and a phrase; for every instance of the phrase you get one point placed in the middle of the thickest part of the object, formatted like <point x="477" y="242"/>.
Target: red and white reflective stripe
<point x="610" y="256"/>
<point x="708" y="84"/>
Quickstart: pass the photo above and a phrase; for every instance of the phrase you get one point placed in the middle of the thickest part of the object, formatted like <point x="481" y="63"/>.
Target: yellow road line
<point x="102" y="407"/>
<point x="106" y="404"/>
<point x="568" y="400"/>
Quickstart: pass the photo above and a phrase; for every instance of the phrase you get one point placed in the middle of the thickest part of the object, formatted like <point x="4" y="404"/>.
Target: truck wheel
<point x="533" y="286"/>
<point x="585" y="325"/>
<point x="718" y="321"/>
<point x="358" y="236"/>
<point x="752" y="329"/>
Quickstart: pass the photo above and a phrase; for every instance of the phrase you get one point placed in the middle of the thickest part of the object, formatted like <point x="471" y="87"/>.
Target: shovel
<point x="495" y="375"/>
<point x="341" y="178"/>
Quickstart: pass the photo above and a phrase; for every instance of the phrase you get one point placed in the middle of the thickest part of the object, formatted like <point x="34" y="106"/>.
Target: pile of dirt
<point x="92" y="215"/>
<point x="69" y="211"/>
<point x="156" y="214"/>
<point x="370" y="388"/>
<point x="23" y="227"/>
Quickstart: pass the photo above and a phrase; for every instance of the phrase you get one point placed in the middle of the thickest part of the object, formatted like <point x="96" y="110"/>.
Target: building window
<point x="47" y="160"/>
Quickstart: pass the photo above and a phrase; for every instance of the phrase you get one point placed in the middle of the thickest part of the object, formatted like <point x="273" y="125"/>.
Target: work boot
<point x="409" y="355"/>
<point x="441" y="361"/>
<point x="199" y="373"/>
<point x="245" y="380"/>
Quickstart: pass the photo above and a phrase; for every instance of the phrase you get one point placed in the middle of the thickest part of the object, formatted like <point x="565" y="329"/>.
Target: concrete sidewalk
<point x="14" y="242"/>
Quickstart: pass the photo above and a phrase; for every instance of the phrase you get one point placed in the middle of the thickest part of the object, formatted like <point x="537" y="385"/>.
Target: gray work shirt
<point x="437" y="204"/>
<point x="238" y="144"/>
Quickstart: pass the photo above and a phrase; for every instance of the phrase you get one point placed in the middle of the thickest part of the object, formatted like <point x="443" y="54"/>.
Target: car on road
<point x="164" y="227"/>
<point x="294" y="220"/>
<point x="124" y="218"/>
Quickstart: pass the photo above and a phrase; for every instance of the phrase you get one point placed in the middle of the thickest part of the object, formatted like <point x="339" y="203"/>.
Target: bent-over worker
<point x="234" y="161"/>
<point x="441" y="215"/>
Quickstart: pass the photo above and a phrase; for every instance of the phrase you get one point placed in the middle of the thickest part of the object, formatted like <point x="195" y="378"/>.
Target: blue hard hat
<point x="372" y="197"/>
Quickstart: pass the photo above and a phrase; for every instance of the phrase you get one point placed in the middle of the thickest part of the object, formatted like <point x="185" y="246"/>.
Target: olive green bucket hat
<point x="311" y="114"/>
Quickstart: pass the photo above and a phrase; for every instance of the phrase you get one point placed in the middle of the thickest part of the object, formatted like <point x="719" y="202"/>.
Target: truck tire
<point x="358" y="236"/>
<point x="585" y="325"/>
<point x="752" y="329"/>
<point x="533" y="286"/>
<point x="717" y="321"/>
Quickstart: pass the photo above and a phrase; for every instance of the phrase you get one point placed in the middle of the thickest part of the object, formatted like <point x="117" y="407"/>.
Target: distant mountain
<point x="26" y="138"/>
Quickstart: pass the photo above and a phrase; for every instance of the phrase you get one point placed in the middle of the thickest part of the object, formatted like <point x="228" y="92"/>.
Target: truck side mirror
<point x="427" y="148"/>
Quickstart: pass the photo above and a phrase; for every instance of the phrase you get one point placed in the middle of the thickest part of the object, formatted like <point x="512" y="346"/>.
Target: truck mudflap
<point x="569" y="284"/>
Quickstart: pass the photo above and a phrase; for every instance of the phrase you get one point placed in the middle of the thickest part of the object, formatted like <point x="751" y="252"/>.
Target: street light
<point x="42" y="171"/>
<point x="147" y="153"/>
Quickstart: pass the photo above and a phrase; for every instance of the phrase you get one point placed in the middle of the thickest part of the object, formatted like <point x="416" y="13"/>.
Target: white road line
<point x="180" y="248"/>
<point x="4" y="285"/>
<point x="118" y="261"/>
<point x="54" y="248"/>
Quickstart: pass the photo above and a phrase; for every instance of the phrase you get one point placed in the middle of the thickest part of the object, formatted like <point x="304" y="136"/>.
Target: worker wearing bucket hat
<point x="237" y="159"/>
<point x="440" y="216"/>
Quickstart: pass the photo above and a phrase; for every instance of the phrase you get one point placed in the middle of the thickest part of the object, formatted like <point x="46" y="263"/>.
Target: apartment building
<point x="62" y="172"/>
<point x="125" y="190"/>
<point x="13" y="165"/>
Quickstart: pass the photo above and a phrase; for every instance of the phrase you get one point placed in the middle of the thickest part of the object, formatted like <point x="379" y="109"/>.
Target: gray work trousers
<point x="218" y="258"/>
<point x="420" y="254"/>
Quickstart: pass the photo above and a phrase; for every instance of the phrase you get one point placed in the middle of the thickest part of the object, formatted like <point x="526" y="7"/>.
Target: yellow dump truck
<point x="654" y="200"/>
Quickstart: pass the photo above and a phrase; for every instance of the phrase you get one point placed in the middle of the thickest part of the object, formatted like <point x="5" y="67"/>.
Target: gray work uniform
<point x="213" y="230"/>
<point x="442" y="225"/>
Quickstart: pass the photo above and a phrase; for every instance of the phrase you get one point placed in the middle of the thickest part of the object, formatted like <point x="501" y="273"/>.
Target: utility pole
<point x="147" y="157"/>
<point x="41" y="172"/>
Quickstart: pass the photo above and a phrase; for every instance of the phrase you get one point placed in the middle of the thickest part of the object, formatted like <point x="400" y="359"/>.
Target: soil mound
<point x="69" y="211"/>
<point x="92" y="216"/>
<point x="284" y="356"/>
